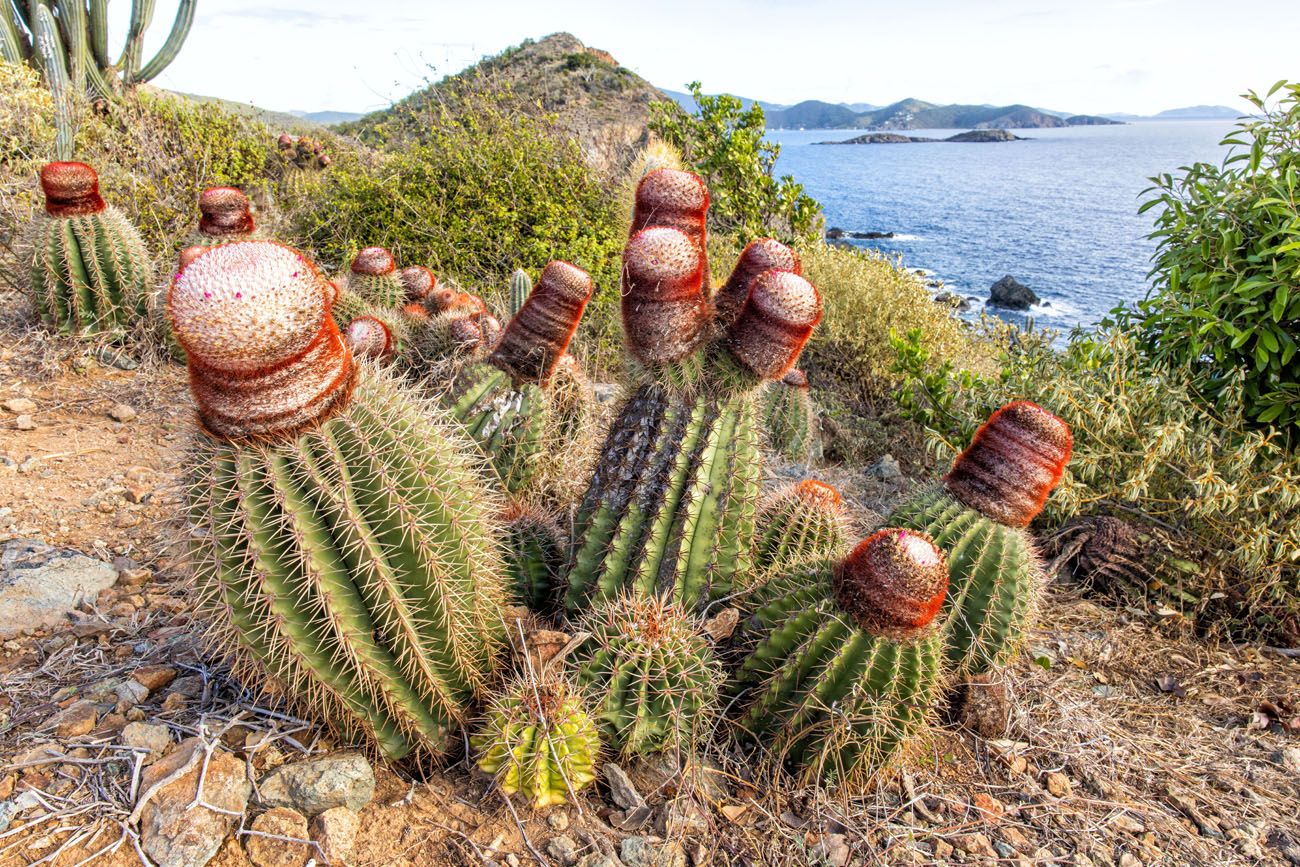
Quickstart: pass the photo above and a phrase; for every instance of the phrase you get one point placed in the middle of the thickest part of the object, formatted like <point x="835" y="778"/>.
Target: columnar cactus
<point x="89" y="268"/>
<point x="538" y="740"/>
<point x="849" y="669"/>
<point x="521" y="286"/>
<point x="671" y="505"/>
<point x="995" y="488"/>
<point x="503" y="401"/>
<point x="791" y="419"/>
<point x="804" y="520"/>
<point x="371" y="283"/>
<point x="652" y="673"/>
<point x="344" y="545"/>
<point x="534" y="555"/>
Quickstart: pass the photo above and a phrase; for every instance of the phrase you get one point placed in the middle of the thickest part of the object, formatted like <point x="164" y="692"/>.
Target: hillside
<point x="601" y="104"/>
<point x="918" y="114"/>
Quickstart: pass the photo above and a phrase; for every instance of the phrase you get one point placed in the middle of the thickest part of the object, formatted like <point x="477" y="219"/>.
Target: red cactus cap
<point x="265" y="357"/>
<point x="71" y="190"/>
<point x="893" y="583"/>
<point x="758" y="256"/>
<point x="188" y="255"/>
<point x="795" y="378"/>
<point x="369" y="338"/>
<point x="491" y="328"/>
<point x="540" y="332"/>
<point x="1015" y="460"/>
<point x="224" y="213"/>
<point x="466" y="332"/>
<point x="415" y="310"/>
<point x="441" y="299"/>
<point x="418" y="281"/>
<point x="673" y="198"/>
<point x="374" y="262"/>
<point x="778" y="318"/>
<point x="666" y="313"/>
<point x="817" y="493"/>
<point x="285" y="140"/>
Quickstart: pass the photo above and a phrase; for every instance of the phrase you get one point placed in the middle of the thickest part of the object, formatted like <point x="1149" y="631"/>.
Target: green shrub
<point x="1226" y="301"/>
<point x="724" y="143"/>
<point x="1145" y="447"/>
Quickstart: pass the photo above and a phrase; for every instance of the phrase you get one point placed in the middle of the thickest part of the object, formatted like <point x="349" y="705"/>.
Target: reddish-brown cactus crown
<point x="817" y="493"/>
<point x="188" y="255"/>
<point x="466" y="332"/>
<point x="666" y="311"/>
<point x="415" y="310"/>
<point x="758" y="256"/>
<point x="540" y="332"/>
<point x="374" y="262"/>
<point x="893" y="583"/>
<point x="71" y="190"/>
<point x="491" y="329"/>
<point x="265" y="357"/>
<point x="795" y="378"/>
<point x="224" y="213"/>
<point x="418" y="281"/>
<point x="672" y="198"/>
<point x="774" y="324"/>
<point x="1015" y="460"/>
<point x="369" y="338"/>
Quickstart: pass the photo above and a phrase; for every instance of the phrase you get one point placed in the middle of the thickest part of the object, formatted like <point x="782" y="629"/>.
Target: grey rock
<point x="14" y="806"/>
<point x="598" y="860"/>
<point x="146" y="736"/>
<point x="313" y="786"/>
<point x="116" y="358"/>
<point x="563" y="850"/>
<point x="833" y="850"/>
<point x="559" y="821"/>
<point x="25" y="422"/>
<point x="19" y="406"/>
<point x="643" y="852"/>
<point x="886" y="469"/>
<point x="1289" y="758"/>
<point x="621" y="788"/>
<point x="40" y="585"/>
<point x="1012" y="294"/>
<point x="953" y="300"/>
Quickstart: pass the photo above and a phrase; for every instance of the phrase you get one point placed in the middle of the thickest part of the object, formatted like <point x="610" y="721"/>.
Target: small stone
<point x="1128" y="859"/>
<point x="606" y="392"/>
<point x="19" y="406"/>
<point x="1015" y="838"/>
<point x="1126" y="823"/>
<point x="563" y="850"/>
<point x="976" y="844"/>
<point x="1058" y="784"/>
<point x="137" y="493"/>
<point x="173" y="702"/>
<point x="942" y="849"/>
<point x="559" y="821"/>
<point x="75" y="720"/>
<point x="886" y="469"/>
<point x="171" y="832"/>
<point x="154" y="677"/>
<point x="313" y="786"/>
<point x="1290" y="759"/>
<point x="833" y="850"/>
<point x="131" y="693"/>
<point x="621" y="788"/>
<point x="122" y="412"/>
<point x="335" y="831"/>
<point x="40" y="585"/>
<point x="272" y="851"/>
<point x="990" y="808"/>
<point x="642" y="852"/>
<point x="722" y="625"/>
<point x="25" y="422"/>
<point x="145" y="736"/>
<point x="598" y="860"/>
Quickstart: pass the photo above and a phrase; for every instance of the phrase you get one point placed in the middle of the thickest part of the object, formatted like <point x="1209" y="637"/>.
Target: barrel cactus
<point x="224" y="215"/>
<point x="89" y="268"/>
<point x="651" y="673"/>
<point x="852" y="659"/>
<point x="538" y="740"/>
<point x="791" y="419"/>
<point x="344" y="546"/>
<point x="978" y="515"/>
<point x="801" y="521"/>
<point x="534" y="555"/>
<point x="672" y="503"/>
<point x="503" y="401"/>
<point x="371" y="282"/>
<point x="459" y="330"/>
<point x="418" y="283"/>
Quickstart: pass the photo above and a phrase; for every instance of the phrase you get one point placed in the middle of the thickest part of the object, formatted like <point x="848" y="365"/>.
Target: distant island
<point x="918" y="114"/>
<point x="978" y="136"/>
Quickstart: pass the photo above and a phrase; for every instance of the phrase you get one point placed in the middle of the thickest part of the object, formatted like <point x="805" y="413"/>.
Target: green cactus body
<point x="90" y="270"/>
<point x="507" y="422"/>
<point x="371" y="283"/>
<point x="791" y="419"/>
<point x="344" y="546"/>
<point x="652" y="673"/>
<point x="835" y="692"/>
<point x="534" y="555"/>
<point x="521" y="286"/>
<point x="538" y="741"/>
<point x="805" y="520"/>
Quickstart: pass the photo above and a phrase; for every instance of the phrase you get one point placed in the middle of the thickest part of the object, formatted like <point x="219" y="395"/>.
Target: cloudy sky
<point x="1139" y="56"/>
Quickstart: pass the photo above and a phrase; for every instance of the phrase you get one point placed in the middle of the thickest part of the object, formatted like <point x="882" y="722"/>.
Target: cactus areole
<point x="893" y="583"/>
<point x="289" y="369"/>
<point x="224" y="213"/>
<point x="71" y="190"/>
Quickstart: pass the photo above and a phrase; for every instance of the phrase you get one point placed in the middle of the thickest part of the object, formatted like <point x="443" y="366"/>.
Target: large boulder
<point x="40" y="585"/>
<point x="1012" y="294"/>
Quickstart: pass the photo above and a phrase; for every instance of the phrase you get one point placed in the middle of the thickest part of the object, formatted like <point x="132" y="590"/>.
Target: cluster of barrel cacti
<point x="302" y="152"/>
<point x="366" y="491"/>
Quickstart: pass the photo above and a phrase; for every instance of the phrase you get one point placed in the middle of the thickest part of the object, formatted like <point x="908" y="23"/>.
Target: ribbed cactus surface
<point x="790" y="418"/>
<point x="521" y="286"/>
<point x="371" y="283"/>
<point x="995" y="488"/>
<point x="671" y="506"/>
<point x="89" y="269"/>
<point x="534" y="556"/>
<point x="539" y="741"/>
<point x="850" y="664"/>
<point x="345" y="549"/>
<point x="803" y="520"/>
<point x="652" y="674"/>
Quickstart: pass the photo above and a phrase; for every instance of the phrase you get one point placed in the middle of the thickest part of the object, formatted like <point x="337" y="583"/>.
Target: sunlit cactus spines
<point x="1011" y="466"/>
<point x="791" y="418"/>
<point x="418" y="282"/>
<point x="368" y="337"/>
<point x="89" y="269"/>
<point x="371" y="283"/>
<point x="224" y="215"/>
<point x="764" y="254"/>
<point x="651" y="673"/>
<point x="774" y="323"/>
<point x="977" y="516"/>
<point x="847" y="671"/>
<point x="801" y="521"/>
<point x="534" y="555"/>
<point x="539" y="741"/>
<point x="345" y="548"/>
<point x="521" y="286"/>
<point x="666" y="311"/>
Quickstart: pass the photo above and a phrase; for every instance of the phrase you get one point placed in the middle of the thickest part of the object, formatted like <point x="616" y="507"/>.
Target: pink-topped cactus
<point x="418" y="281"/>
<point x="775" y="322"/>
<point x="764" y="254"/>
<point x="369" y="338"/>
<point x="539" y="334"/>
<point x="893" y="583"/>
<point x="666" y="310"/>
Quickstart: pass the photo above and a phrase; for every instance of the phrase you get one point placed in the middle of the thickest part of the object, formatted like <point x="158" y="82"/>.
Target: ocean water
<point x="1057" y="212"/>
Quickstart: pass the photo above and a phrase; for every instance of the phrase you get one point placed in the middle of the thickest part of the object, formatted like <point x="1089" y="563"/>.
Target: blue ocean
<point x="1058" y="212"/>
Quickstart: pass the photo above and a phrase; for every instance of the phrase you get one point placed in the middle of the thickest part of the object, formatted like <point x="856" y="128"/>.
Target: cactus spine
<point x="90" y="271"/>
<point x="653" y="673"/>
<point x="521" y="286"/>
<point x="671" y="506"/>
<point x="995" y="488"/>
<point x="848" y="671"/>
<point x="503" y="401"/>
<point x="534" y="556"/>
<point x="791" y="419"/>
<point x="538" y="740"/>
<point x="371" y="282"/>
<point x="344" y="546"/>
<point x="804" y="520"/>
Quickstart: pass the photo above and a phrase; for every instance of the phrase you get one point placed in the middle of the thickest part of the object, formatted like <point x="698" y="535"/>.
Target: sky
<point x="1137" y="56"/>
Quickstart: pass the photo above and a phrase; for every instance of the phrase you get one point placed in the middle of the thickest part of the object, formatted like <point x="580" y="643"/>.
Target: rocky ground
<point x="122" y="741"/>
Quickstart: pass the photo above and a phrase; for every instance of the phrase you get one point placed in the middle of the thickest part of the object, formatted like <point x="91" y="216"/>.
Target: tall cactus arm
<point x="45" y="31"/>
<point x="14" y="47"/>
<point x="99" y="33"/>
<point x="141" y="16"/>
<point x="72" y="20"/>
<point x="172" y="46"/>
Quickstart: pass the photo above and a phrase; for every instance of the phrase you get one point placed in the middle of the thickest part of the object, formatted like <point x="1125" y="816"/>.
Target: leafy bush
<point x="1143" y="445"/>
<point x="724" y="143"/>
<point x="1227" y="269"/>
